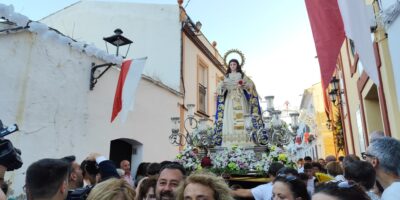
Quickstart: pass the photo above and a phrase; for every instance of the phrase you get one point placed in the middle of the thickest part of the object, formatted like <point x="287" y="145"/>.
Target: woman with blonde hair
<point x="203" y="185"/>
<point x="112" y="189"/>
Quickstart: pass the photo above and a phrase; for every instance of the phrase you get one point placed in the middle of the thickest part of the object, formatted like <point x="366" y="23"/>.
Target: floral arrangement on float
<point x="241" y="161"/>
<point x="278" y="154"/>
<point x="234" y="160"/>
<point x="188" y="158"/>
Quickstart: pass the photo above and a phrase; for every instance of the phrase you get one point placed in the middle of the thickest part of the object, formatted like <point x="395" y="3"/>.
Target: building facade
<point x="314" y="137"/>
<point x="182" y="68"/>
<point x="52" y="123"/>
<point x="59" y="115"/>
<point x="362" y="105"/>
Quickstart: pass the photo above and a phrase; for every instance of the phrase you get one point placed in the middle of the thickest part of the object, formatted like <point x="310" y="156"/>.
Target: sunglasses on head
<point x="364" y="155"/>
<point x="287" y="178"/>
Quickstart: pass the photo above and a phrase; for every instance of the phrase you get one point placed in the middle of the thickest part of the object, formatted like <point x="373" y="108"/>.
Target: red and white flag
<point x="129" y="77"/>
<point x="327" y="28"/>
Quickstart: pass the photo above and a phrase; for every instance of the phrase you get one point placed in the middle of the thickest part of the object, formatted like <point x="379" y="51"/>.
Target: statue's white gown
<point x="236" y="106"/>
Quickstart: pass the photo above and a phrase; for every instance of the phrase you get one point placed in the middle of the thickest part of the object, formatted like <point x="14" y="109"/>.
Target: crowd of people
<point x="375" y="176"/>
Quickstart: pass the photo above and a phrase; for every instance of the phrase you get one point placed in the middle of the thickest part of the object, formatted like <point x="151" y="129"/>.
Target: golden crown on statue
<point x="236" y="51"/>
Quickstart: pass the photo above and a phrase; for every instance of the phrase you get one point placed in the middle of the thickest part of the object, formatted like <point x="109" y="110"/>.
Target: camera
<point x="7" y="130"/>
<point x="10" y="156"/>
<point x="79" y="193"/>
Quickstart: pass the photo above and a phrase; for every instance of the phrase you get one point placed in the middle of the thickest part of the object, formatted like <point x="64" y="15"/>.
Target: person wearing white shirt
<point x="261" y="192"/>
<point x="300" y="165"/>
<point x="126" y="166"/>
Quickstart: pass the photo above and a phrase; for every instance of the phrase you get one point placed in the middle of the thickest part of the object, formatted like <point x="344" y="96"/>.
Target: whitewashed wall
<point x="154" y="29"/>
<point x="149" y="123"/>
<point x="45" y="90"/>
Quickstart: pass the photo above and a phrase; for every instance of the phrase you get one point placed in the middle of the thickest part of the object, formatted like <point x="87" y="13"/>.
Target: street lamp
<point x="335" y="96"/>
<point x="117" y="40"/>
<point x="334" y="83"/>
<point x="332" y="95"/>
<point x="335" y="91"/>
<point x="193" y="27"/>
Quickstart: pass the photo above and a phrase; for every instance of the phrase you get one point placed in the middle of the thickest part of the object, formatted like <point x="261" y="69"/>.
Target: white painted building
<point x="313" y="123"/>
<point x="46" y="85"/>
<point x="45" y="90"/>
<point x="155" y="30"/>
<point x="179" y="62"/>
<point x="156" y="33"/>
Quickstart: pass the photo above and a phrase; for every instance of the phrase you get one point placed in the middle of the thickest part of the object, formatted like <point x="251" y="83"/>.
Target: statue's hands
<point x="222" y="86"/>
<point x="225" y="83"/>
<point x="242" y="84"/>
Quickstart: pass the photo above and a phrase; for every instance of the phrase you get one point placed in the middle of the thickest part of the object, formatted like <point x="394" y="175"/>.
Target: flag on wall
<point x="306" y="137"/>
<point x="357" y="26"/>
<point x="327" y="28"/>
<point x="129" y="77"/>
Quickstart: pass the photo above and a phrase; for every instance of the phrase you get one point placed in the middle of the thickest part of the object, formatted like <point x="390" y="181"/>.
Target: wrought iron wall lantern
<point x="335" y="92"/>
<point x="116" y="40"/>
<point x="194" y="27"/>
<point x="336" y="125"/>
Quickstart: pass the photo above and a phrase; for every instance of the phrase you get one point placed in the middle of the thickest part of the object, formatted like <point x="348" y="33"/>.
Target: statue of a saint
<point x="237" y="97"/>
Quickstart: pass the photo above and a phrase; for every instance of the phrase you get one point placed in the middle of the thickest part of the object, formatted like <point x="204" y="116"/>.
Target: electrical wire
<point x="187" y="4"/>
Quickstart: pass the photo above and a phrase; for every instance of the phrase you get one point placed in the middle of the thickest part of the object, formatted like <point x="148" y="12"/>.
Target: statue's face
<point x="233" y="66"/>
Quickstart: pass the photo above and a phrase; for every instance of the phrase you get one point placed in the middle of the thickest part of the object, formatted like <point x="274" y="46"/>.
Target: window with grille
<point x="202" y="89"/>
<point x="202" y="98"/>
<point x="352" y="47"/>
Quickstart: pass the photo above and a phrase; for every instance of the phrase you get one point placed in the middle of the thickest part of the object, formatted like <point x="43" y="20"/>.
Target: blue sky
<point x="274" y="35"/>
